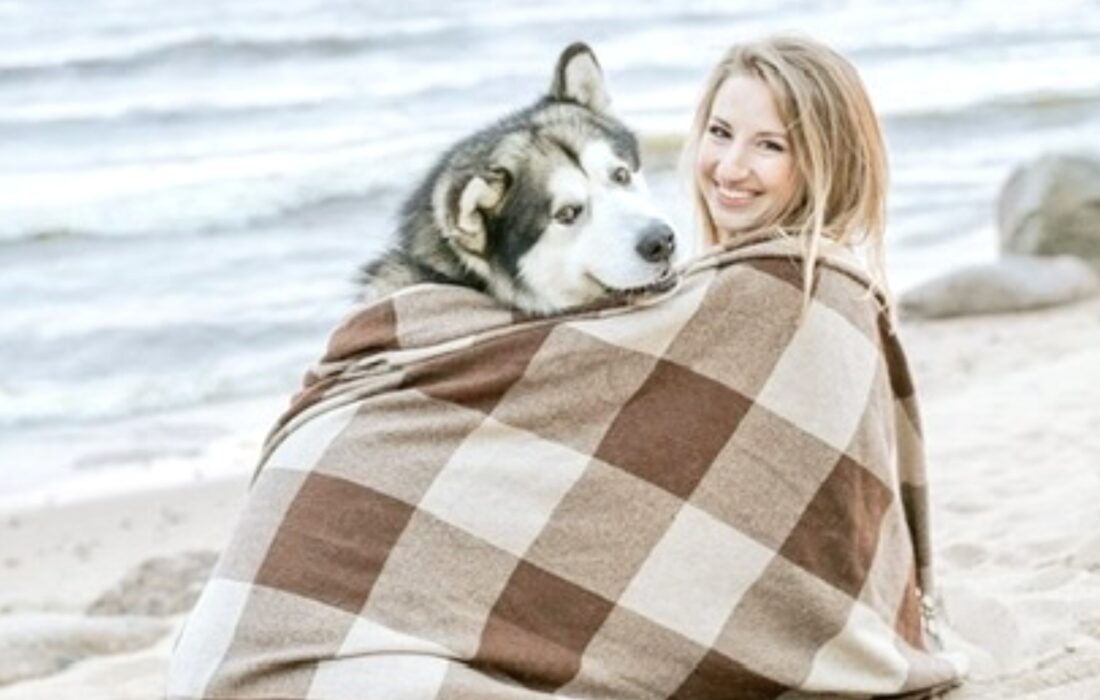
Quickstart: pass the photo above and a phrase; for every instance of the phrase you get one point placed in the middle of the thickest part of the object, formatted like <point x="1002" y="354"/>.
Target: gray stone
<point x="1014" y="283"/>
<point x="1051" y="206"/>
<point x="40" y="644"/>
<point x="159" y="586"/>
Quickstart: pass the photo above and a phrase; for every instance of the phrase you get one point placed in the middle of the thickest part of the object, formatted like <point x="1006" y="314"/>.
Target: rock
<point x="1014" y="283"/>
<point x="158" y="587"/>
<point x="1051" y="206"/>
<point x="40" y="644"/>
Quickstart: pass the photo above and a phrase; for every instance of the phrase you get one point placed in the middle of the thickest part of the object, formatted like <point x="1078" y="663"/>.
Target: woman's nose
<point x="732" y="165"/>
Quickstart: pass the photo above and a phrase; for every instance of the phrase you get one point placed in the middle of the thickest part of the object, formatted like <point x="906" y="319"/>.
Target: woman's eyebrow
<point x="767" y="134"/>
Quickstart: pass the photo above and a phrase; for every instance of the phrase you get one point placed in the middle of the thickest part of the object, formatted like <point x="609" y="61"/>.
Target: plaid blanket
<point x="719" y="495"/>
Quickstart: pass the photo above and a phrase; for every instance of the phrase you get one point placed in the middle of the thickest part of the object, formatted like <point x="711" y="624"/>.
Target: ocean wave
<point x="212" y="194"/>
<point x="438" y="33"/>
<point x="145" y="109"/>
<point x="195" y="210"/>
<point x="181" y="363"/>
<point x="978" y="112"/>
<point x="109" y="58"/>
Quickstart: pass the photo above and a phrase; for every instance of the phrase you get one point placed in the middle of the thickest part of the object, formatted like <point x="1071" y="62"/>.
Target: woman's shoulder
<point x="770" y="277"/>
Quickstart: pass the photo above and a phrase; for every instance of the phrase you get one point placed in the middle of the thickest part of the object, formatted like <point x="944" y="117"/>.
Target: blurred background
<point x="186" y="189"/>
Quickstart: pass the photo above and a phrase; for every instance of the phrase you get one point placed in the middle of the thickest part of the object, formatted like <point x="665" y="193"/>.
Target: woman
<point x="786" y="153"/>
<point x="785" y="136"/>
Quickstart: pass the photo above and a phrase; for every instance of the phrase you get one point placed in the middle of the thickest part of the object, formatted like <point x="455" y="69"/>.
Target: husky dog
<point x="544" y="210"/>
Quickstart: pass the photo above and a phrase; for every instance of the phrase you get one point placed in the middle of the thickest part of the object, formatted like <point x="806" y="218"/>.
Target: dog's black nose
<point x="656" y="243"/>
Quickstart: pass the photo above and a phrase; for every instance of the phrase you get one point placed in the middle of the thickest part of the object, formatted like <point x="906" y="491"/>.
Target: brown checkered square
<point x="908" y="622"/>
<point x="372" y="329"/>
<point x="784" y="268"/>
<point x="333" y="541"/>
<point x="539" y="629"/>
<point x="837" y="536"/>
<point x="718" y="676"/>
<point x="672" y="427"/>
<point x="466" y="376"/>
<point x="901" y="381"/>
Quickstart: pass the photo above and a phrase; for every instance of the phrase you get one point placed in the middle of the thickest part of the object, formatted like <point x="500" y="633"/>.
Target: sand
<point x="1012" y="415"/>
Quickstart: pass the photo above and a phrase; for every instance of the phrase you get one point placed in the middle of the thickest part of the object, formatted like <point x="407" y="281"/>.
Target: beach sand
<point x="1013" y="433"/>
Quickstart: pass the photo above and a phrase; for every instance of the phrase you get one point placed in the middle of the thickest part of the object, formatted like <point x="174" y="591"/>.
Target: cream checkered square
<point x="206" y="638"/>
<point x="303" y="448"/>
<point x="830" y="401"/>
<point x="653" y="331"/>
<point x="502" y="484"/>
<point x="696" y="575"/>
<point x="862" y="658"/>
<point x="377" y="662"/>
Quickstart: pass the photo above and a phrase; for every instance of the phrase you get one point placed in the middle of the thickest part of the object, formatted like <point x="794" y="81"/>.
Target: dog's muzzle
<point x="656" y="243"/>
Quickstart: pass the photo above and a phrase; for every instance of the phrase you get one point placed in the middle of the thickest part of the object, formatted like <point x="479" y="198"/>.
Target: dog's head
<point x="548" y="207"/>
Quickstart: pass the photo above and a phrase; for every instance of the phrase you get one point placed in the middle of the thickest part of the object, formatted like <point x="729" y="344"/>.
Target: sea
<point x="187" y="189"/>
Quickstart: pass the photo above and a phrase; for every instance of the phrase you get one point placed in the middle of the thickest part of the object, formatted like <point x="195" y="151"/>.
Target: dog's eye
<point x="621" y="175"/>
<point x="568" y="214"/>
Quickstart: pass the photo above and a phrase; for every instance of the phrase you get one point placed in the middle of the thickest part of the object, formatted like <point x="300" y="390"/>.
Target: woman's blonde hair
<point x="836" y="142"/>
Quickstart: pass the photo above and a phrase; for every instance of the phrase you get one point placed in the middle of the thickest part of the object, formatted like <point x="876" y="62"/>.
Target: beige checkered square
<point x="765" y="476"/>
<point x="725" y="335"/>
<point x="270" y="614"/>
<point x="440" y="584"/>
<point x="798" y="613"/>
<point x="399" y="443"/>
<point x="607" y="510"/>
<point x="574" y="387"/>
<point x="653" y="669"/>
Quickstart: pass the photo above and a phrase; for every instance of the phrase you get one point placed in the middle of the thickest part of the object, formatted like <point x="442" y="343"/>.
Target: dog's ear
<point x="578" y="78"/>
<point x="480" y="194"/>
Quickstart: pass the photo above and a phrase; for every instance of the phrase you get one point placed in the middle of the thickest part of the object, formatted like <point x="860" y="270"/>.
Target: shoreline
<point x="59" y="558"/>
<point x="1013" y="441"/>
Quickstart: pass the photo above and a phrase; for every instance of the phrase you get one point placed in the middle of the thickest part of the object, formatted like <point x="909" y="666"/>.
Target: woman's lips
<point x="734" y="199"/>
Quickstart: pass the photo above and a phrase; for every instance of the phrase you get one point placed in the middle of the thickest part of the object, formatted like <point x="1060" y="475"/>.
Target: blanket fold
<point x="714" y="495"/>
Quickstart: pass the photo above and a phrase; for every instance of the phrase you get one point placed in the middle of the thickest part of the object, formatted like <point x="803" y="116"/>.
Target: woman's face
<point x="744" y="168"/>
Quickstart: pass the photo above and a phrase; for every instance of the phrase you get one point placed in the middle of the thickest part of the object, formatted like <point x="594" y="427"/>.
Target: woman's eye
<point x="719" y="131"/>
<point x="621" y="176"/>
<point x="568" y="214"/>
<point x="774" y="146"/>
